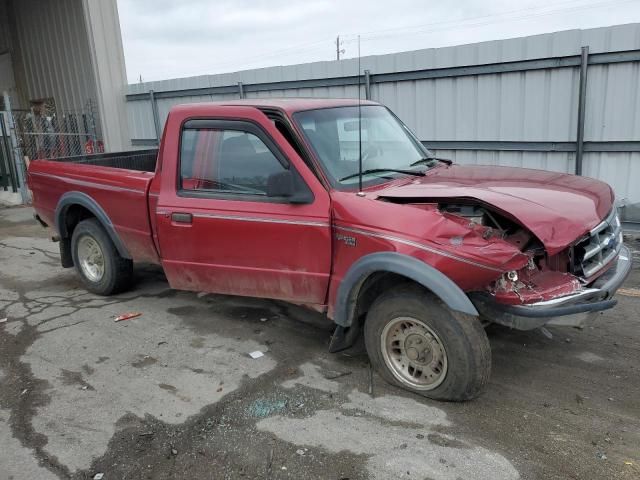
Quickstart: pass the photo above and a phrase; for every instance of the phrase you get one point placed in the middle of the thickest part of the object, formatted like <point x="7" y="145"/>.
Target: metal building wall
<point x="5" y="37"/>
<point x="462" y="112"/>
<point x="53" y="53"/>
<point x="69" y="50"/>
<point x="108" y="68"/>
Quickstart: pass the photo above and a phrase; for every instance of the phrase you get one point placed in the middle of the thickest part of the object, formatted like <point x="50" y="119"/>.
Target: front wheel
<point x="414" y="341"/>
<point x="101" y="268"/>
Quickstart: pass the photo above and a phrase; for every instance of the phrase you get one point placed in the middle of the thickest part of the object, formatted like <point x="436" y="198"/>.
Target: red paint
<point x="555" y="207"/>
<point x="300" y="253"/>
<point x="535" y="286"/>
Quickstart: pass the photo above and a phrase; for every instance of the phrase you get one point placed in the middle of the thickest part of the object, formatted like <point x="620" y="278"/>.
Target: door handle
<point x="181" y="217"/>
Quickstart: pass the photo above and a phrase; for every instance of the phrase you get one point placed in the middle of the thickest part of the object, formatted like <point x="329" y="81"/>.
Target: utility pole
<point x="338" y="49"/>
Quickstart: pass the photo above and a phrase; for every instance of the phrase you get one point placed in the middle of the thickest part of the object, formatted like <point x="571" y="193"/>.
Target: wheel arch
<point x="72" y="208"/>
<point x="378" y="269"/>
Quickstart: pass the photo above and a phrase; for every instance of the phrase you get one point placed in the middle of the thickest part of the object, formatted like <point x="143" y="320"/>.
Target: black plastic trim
<point x="39" y="220"/>
<point x="66" y="259"/>
<point x="80" y="198"/>
<point x="343" y="337"/>
<point x="420" y="272"/>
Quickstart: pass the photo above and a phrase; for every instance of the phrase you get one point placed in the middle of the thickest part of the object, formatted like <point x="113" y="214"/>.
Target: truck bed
<point x="139" y="160"/>
<point x="117" y="182"/>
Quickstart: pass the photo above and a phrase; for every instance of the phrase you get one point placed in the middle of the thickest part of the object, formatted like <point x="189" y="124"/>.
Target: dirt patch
<point x="223" y="442"/>
<point x="144" y="361"/>
<point x="75" y="378"/>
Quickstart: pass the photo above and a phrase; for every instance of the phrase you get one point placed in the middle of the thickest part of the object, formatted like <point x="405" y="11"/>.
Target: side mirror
<point x="280" y="184"/>
<point x="289" y="185"/>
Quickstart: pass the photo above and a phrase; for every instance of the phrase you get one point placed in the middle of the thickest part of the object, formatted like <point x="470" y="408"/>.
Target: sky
<point x="181" y="38"/>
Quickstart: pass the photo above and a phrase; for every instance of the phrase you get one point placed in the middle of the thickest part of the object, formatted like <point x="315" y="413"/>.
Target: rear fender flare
<point x="412" y="268"/>
<point x="78" y="198"/>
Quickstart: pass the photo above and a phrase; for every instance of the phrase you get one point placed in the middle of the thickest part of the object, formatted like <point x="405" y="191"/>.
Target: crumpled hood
<point x="557" y="208"/>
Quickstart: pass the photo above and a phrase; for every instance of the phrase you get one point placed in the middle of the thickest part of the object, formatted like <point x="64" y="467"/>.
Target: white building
<point x="66" y="56"/>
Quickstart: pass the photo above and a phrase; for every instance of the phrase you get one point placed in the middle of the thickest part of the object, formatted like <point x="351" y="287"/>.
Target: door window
<point x="226" y="161"/>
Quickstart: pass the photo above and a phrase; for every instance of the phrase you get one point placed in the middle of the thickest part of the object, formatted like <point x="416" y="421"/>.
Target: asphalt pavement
<point x="175" y="394"/>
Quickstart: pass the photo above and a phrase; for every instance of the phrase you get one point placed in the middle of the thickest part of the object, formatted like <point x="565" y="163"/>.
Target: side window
<point x="225" y="161"/>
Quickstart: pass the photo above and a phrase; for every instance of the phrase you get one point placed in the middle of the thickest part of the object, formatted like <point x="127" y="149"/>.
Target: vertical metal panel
<point x="621" y="170"/>
<point x="5" y="36"/>
<point x="53" y="46"/>
<point x="106" y="67"/>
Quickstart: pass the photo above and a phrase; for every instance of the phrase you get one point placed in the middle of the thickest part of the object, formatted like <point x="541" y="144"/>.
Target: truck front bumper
<point x="570" y="310"/>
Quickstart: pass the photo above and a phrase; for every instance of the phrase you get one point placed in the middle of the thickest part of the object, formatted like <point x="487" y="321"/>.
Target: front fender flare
<point x="412" y="268"/>
<point x="80" y="198"/>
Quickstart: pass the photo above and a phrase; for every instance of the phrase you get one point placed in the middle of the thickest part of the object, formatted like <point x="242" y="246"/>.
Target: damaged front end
<point x="534" y="284"/>
<point x="559" y="289"/>
<point x="552" y="243"/>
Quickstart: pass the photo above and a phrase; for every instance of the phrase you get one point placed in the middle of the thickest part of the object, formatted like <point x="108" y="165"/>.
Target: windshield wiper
<point x="379" y="170"/>
<point x="429" y="159"/>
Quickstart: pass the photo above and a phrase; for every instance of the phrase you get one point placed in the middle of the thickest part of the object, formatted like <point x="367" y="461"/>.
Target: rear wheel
<point x="101" y="268"/>
<point x="416" y="342"/>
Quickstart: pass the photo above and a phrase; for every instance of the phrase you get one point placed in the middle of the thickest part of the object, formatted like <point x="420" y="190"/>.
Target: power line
<point x="468" y="22"/>
<point x="374" y="33"/>
<point x="488" y="19"/>
<point x="276" y="53"/>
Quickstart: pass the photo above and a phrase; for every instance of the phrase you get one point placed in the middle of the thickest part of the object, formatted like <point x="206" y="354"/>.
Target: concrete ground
<point x="174" y="393"/>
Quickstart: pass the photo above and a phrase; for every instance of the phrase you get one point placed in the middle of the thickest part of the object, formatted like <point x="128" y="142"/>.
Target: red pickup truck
<point x="267" y="198"/>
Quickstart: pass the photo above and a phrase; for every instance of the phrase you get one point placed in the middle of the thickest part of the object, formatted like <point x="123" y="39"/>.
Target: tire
<point x="415" y="342"/>
<point x="102" y="270"/>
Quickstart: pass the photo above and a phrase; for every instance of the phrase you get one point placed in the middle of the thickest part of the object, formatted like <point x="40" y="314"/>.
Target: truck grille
<point x="600" y="247"/>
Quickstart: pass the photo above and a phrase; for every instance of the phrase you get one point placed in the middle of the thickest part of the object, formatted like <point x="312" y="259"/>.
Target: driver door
<point x="219" y="231"/>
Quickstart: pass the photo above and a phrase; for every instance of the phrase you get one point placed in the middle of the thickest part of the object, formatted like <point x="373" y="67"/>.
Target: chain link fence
<point x="43" y="132"/>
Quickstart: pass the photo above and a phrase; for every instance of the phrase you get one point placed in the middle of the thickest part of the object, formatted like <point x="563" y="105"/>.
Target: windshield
<point x="386" y="143"/>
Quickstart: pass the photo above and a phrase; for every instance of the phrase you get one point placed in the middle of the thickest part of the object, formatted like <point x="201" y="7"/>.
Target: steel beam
<point x="156" y="116"/>
<point x="367" y="84"/>
<point x="433" y="73"/>
<point x="582" y="102"/>
<point x="489" y="145"/>
<point x="144" y="142"/>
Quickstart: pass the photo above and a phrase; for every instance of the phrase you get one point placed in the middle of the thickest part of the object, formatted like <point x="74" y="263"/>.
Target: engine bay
<point x="543" y="278"/>
<point x="496" y="225"/>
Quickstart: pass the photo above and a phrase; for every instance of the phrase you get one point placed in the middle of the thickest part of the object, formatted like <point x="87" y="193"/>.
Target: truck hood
<point x="557" y="208"/>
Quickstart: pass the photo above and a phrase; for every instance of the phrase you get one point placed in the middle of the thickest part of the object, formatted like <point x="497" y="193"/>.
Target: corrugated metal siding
<point x="104" y="44"/>
<point x="54" y="49"/>
<point x="5" y="36"/>
<point x="535" y="105"/>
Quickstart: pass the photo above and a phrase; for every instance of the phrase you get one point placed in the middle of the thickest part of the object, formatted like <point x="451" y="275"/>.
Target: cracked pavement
<point x="174" y="394"/>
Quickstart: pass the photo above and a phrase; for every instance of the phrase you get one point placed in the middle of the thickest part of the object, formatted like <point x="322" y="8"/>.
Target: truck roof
<point x="289" y="105"/>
